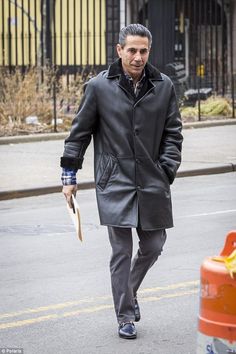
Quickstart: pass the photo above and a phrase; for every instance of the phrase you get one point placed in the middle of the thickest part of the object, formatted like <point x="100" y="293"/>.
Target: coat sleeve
<point x="83" y="126"/>
<point x="171" y="144"/>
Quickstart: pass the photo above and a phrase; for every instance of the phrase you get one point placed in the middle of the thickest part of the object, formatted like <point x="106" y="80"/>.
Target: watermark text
<point x="11" y="351"/>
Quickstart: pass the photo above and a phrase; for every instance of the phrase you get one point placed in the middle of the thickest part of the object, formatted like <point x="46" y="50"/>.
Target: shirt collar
<point x="128" y="77"/>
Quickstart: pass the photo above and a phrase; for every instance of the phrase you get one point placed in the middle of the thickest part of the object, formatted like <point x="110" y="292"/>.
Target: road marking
<point x="27" y="322"/>
<point x="52" y="307"/>
<point x="88" y="310"/>
<point x="53" y="317"/>
<point x="93" y="309"/>
<point x="93" y="299"/>
<point x="168" y="296"/>
<point x="207" y="214"/>
<point x="170" y="287"/>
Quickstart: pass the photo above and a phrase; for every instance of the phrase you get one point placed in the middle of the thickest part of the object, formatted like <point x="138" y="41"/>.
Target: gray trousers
<point x="128" y="274"/>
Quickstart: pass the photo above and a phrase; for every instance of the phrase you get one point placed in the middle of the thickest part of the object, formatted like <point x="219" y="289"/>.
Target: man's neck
<point x="136" y="78"/>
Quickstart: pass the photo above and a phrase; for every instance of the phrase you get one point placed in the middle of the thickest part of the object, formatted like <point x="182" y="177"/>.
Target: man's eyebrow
<point x="132" y="48"/>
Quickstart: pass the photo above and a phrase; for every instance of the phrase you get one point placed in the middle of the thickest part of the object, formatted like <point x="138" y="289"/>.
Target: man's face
<point x="134" y="55"/>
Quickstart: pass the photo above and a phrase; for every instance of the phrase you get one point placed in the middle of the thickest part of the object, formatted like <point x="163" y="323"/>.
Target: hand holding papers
<point x="75" y="216"/>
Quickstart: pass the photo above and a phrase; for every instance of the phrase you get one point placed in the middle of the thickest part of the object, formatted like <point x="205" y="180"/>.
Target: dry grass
<point x="27" y="95"/>
<point x="214" y="107"/>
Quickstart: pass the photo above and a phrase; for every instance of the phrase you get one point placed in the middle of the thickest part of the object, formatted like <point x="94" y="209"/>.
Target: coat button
<point x="139" y="187"/>
<point x="137" y="161"/>
<point x="136" y="132"/>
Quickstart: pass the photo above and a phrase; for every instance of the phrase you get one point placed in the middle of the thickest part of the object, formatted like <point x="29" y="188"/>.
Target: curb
<point x="32" y="138"/>
<point x="33" y="192"/>
<point x="226" y="168"/>
<point x="209" y="124"/>
<point x="57" y="136"/>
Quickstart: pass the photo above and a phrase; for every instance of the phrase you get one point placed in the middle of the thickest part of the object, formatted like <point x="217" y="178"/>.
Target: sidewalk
<point x="32" y="168"/>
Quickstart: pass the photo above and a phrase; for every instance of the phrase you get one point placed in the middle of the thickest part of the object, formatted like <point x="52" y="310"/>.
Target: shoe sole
<point x="128" y="337"/>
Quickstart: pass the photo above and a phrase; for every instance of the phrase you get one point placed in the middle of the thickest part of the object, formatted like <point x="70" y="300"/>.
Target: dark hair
<point x="135" y="29"/>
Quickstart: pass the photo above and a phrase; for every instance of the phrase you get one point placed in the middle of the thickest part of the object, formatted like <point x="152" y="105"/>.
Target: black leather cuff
<point x="71" y="162"/>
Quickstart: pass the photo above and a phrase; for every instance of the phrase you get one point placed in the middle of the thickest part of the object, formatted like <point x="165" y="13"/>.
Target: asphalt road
<point x="55" y="292"/>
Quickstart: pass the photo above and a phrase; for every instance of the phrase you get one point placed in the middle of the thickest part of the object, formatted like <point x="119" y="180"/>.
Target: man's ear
<point x="118" y="48"/>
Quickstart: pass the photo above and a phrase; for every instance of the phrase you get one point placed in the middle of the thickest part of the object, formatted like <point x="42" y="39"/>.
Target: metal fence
<point x="76" y="34"/>
<point x="204" y="42"/>
<point x="65" y="33"/>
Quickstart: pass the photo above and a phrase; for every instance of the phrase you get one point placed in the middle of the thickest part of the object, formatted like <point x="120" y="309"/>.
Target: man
<point x="132" y="113"/>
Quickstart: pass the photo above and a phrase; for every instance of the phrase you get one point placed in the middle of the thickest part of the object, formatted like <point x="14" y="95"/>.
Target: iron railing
<point x="75" y="34"/>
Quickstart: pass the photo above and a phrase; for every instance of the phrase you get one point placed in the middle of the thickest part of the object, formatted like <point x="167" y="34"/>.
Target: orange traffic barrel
<point x="217" y="315"/>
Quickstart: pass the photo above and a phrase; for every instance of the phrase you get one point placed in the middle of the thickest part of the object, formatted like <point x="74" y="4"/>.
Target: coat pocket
<point x="108" y="170"/>
<point x="165" y="177"/>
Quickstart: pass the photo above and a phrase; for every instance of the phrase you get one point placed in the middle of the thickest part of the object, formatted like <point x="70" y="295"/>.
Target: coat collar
<point x="115" y="69"/>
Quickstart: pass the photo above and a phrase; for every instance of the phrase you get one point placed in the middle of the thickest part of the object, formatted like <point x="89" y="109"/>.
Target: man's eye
<point x="143" y="51"/>
<point x="132" y="50"/>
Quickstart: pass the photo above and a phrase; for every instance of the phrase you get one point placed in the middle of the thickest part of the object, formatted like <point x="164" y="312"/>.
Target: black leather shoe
<point x="127" y="330"/>
<point x="136" y="310"/>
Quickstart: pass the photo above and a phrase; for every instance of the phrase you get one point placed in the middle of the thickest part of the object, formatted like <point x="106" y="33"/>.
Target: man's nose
<point x="138" y="57"/>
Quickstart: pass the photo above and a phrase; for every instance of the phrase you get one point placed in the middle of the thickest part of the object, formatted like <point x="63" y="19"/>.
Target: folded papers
<point x="75" y="217"/>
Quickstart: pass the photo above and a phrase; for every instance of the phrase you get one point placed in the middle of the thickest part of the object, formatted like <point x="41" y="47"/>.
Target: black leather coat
<point x="137" y="147"/>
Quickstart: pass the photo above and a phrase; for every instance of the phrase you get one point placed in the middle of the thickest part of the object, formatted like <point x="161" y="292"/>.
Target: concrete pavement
<point x="30" y="164"/>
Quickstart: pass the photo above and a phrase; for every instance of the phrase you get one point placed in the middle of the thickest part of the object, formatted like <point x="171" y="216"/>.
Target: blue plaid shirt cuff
<point x="68" y="177"/>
